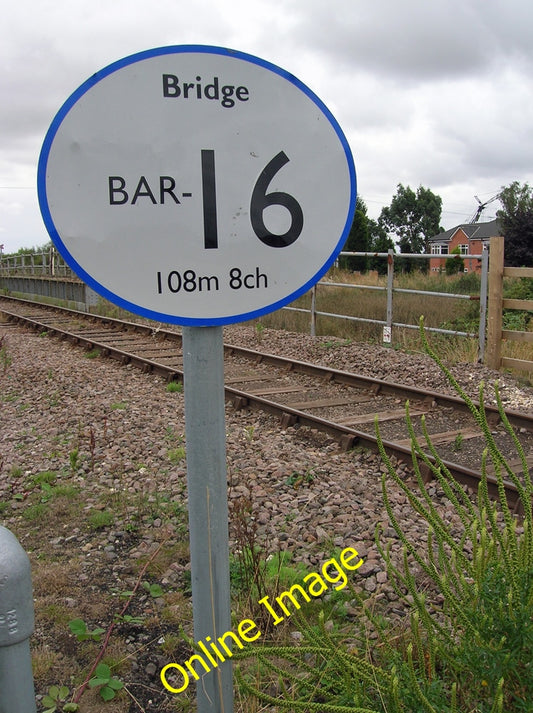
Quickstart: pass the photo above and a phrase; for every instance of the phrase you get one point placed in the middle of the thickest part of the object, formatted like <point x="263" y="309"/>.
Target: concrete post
<point x="16" y="626"/>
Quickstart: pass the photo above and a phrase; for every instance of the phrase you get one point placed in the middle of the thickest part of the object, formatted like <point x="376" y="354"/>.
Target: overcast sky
<point x="436" y="93"/>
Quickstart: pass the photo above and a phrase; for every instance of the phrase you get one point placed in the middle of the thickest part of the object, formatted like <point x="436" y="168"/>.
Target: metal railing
<point x="51" y="264"/>
<point x="45" y="275"/>
<point x="44" y="264"/>
<point x="388" y="321"/>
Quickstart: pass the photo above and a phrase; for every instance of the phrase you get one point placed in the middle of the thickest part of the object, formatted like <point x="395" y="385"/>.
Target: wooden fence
<point x="496" y="305"/>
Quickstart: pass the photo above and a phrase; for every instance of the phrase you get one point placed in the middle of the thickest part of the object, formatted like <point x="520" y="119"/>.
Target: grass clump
<point x="466" y="585"/>
<point x="5" y="358"/>
<point x="35" y="512"/>
<point x="119" y="406"/>
<point x="176" y="455"/>
<point x="100" y="519"/>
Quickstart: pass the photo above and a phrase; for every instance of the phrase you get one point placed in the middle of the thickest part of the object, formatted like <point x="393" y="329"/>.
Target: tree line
<point x="412" y="218"/>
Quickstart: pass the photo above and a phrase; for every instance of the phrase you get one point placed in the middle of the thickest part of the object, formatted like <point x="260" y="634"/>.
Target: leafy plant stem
<point x="103" y="648"/>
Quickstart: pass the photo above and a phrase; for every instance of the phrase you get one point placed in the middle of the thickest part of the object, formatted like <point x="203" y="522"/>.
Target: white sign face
<point x="196" y="185"/>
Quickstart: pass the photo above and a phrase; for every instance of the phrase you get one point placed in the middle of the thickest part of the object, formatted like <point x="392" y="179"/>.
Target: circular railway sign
<point x="196" y="185"/>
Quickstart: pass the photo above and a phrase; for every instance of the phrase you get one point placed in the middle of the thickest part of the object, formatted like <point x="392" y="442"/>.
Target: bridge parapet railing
<point x="49" y="264"/>
<point x="43" y="264"/>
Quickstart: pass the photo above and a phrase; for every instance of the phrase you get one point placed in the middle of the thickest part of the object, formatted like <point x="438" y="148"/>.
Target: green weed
<point x="5" y="358"/>
<point x="458" y="442"/>
<point x="56" y="700"/>
<point x="154" y="590"/>
<point x="119" y="406"/>
<point x="46" y="476"/>
<point x="35" y="512"/>
<point x="128" y="619"/>
<point x="259" y="330"/>
<point x="100" y="519"/>
<point x="74" y="459"/>
<point x="80" y="630"/>
<point x="104" y="680"/>
<point x="176" y="455"/>
<point x="297" y="479"/>
<point x="467" y="588"/>
<point x="64" y="490"/>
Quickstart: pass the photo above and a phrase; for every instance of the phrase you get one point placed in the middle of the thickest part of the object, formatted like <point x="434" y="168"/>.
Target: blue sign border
<point x="138" y="309"/>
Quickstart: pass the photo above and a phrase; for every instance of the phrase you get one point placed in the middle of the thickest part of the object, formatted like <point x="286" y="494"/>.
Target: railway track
<point x="340" y="403"/>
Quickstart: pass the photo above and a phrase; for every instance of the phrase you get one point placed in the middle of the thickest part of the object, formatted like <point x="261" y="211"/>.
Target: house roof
<point x="473" y="231"/>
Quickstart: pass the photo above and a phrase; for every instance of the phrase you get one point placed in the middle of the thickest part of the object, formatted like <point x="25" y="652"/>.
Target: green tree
<point x="515" y="198"/>
<point x="516" y="217"/>
<point x="31" y="250"/>
<point x="380" y="242"/>
<point x="413" y="218"/>
<point x="455" y="264"/>
<point x="358" y="240"/>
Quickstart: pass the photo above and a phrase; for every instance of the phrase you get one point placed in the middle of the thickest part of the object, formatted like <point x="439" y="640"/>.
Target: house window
<point x="463" y="249"/>
<point x="439" y="249"/>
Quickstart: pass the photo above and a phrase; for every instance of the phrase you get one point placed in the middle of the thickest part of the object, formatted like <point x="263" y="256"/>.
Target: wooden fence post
<point x="494" y="331"/>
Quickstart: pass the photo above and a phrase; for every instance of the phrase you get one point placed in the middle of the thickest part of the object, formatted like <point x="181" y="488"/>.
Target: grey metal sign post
<point x="198" y="186"/>
<point x="203" y="366"/>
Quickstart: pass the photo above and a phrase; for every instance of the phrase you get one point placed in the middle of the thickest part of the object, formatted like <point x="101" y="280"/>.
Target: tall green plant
<point x="467" y="589"/>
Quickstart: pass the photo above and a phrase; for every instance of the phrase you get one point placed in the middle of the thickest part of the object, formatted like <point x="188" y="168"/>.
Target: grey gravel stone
<point x="54" y="398"/>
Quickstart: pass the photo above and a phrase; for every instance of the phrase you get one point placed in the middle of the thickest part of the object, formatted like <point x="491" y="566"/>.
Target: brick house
<point x="469" y="238"/>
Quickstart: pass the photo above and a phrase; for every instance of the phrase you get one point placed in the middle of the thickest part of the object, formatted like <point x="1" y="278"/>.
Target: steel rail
<point x="347" y="437"/>
<point x="516" y="418"/>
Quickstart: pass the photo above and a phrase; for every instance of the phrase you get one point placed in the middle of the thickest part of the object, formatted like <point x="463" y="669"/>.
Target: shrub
<point x="468" y="594"/>
<point x="455" y="264"/>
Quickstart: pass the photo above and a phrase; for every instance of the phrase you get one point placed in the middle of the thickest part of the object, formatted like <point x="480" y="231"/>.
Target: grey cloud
<point x="431" y="92"/>
<point x="417" y="40"/>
